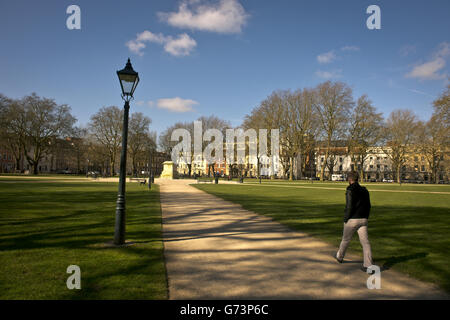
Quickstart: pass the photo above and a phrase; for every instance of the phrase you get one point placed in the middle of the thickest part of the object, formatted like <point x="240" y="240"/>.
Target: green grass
<point x="409" y="232"/>
<point x="47" y="226"/>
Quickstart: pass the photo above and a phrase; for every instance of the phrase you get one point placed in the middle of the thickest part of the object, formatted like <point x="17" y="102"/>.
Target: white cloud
<point x="180" y="46"/>
<point x="150" y="37"/>
<point x="176" y="104"/>
<point x="430" y="70"/>
<point x="142" y="103"/>
<point x="326" y="57"/>
<point x="329" y="74"/>
<point x="226" y="16"/>
<point x="135" y="47"/>
<point x="350" y="48"/>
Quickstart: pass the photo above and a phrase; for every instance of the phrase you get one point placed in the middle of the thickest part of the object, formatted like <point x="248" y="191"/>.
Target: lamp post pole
<point x="150" y="175"/>
<point x="119" y="234"/>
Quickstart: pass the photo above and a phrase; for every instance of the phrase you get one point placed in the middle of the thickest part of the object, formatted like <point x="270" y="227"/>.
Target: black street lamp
<point x="150" y="169"/>
<point x="129" y="80"/>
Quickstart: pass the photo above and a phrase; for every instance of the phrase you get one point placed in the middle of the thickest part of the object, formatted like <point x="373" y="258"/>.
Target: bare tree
<point x="268" y="115"/>
<point x="211" y="122"/>
<point x="333" y="104"/>
<point x="106" y="127"/>
<point x="79" y="146"/>
<point x="12" y="128"/>
<point x="442" y="107"/>
<point x="300" y="123"/>
<point x="399" y="136"/>
<point x="167" y="145"/>
<point x="256" y="121"/>
<point x="45" y="122"/>
<point x="433" y="136"/>
<point x="365" y="131"/>
<point x="139" y="137"/>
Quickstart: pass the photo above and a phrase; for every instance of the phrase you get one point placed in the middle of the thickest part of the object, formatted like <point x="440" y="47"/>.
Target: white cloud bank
<point x="182" y="45"/>
<point x="226" y="16"/>
<point x="430" y="70"/>
<point x="176" y="104"/>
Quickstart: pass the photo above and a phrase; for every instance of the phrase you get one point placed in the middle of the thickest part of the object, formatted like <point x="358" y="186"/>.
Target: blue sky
<point x="223" y="57"/>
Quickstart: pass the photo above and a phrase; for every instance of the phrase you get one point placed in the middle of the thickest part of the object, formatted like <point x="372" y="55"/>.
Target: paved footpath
<point x="214" y="249"/>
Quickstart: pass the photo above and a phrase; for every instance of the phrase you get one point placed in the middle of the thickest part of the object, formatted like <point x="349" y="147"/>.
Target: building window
<point x="423" y="168"/>
<point x="378" y="166"/>
<point x="416" y="158"/>
<point x="340" y="159"/>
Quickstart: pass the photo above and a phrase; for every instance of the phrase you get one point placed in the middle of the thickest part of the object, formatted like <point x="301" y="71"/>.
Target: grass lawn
<point x="45" y="226"/>
<point x="408" y="231"/>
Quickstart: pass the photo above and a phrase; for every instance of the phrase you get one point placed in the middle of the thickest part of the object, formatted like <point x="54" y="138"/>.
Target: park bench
<point x="140" y="180"/>
<point x="205" y="180"/>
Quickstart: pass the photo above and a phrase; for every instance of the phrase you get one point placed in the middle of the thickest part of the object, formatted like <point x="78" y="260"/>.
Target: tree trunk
<point x="35" y="168"/>
<point x="291" y="168"/>
<point x="111" y="167"/>
<point x="78" y="164"/>
<point x="134" y="166"/>
<point x="18" y="164"/>
<point x="322" y="169"/>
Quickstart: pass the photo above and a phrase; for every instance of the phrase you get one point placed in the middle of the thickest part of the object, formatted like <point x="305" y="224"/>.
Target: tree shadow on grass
<point x="391" y="261"/>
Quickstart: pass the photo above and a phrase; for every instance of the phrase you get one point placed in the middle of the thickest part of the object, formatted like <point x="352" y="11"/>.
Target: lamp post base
<point x="119" y="234"/>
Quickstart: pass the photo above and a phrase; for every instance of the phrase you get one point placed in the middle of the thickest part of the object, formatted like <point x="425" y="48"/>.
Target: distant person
<point x="356" y="217"/>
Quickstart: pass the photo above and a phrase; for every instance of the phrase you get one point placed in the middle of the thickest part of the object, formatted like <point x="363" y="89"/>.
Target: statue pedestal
<point x="168" y="170"/>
